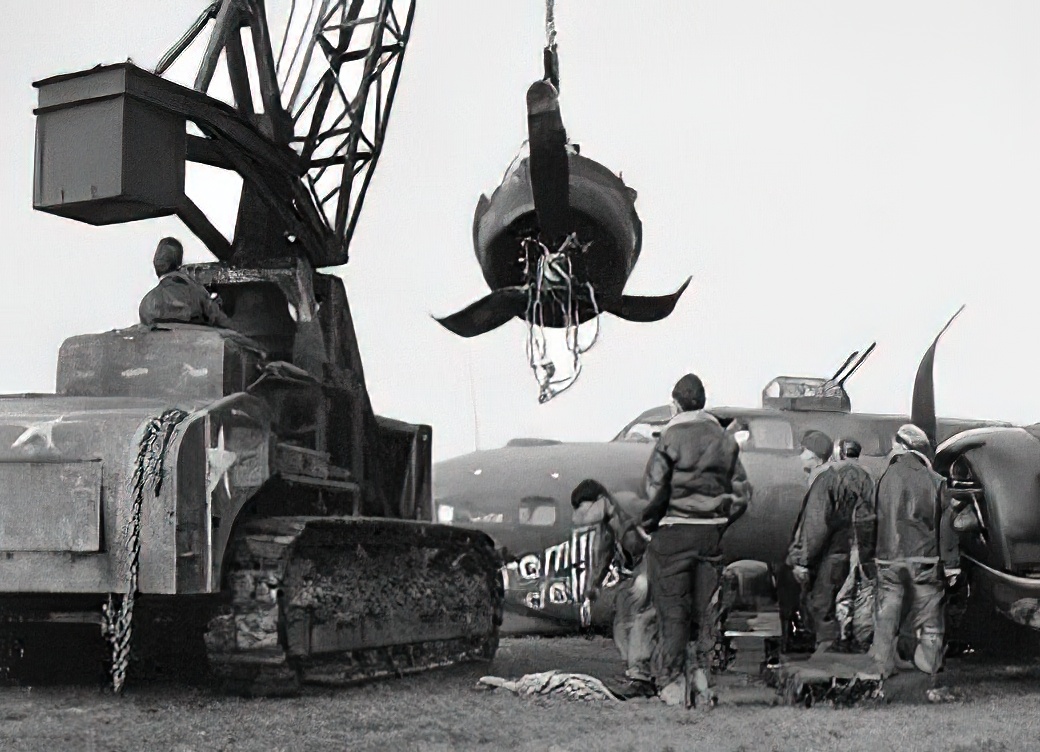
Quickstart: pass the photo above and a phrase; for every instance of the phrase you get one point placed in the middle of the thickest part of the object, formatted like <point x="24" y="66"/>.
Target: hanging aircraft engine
<point x="558" y="238"/>
<point x="556" y="241"/>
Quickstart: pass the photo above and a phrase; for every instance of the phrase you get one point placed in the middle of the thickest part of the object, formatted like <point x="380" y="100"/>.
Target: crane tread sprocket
<point x="405" y="596"/>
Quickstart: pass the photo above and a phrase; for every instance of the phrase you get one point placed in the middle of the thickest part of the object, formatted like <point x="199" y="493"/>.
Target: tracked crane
<point x="228" y="496"/>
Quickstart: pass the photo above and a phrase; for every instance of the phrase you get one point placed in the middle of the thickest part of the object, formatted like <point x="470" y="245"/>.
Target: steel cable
<point x="550" y="279"/>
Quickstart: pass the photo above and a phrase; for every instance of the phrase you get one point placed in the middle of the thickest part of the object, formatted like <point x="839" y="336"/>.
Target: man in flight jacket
<point x="689" y="481"/>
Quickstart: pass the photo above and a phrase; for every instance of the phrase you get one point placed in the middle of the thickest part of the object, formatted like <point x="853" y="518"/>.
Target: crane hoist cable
<point x="550" y="278"/>
<point x="550" y="58"/>
<point x="551" y="281"/>
<point x="550" y="23"/>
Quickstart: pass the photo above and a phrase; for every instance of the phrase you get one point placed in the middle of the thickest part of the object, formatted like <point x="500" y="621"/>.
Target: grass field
<point x="999" y="710"/>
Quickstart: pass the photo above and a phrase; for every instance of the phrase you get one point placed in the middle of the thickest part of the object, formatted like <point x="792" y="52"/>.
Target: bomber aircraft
<point x="520" y="495"/>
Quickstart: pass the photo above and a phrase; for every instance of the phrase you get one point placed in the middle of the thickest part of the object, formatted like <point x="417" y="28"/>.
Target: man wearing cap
<point x="177" y="297"/>
<point x="916" y="549"/>
<point x="817" y="448"/>
<point x="689" y="484"/>
<point x="823" y="536"/>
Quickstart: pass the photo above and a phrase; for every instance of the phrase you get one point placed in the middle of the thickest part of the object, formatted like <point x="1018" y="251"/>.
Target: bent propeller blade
<point x="550" y="172"/>
<point x="922" y="411"/>
<point x="488" y="313"/>
<point x="646" y="308"/>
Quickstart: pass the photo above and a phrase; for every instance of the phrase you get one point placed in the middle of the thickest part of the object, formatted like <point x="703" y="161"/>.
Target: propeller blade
<point x="488" y="313"/>
<point x="551" y="64"/>
<point x="645" y="308"/>
<point x="550" y="171"/>
<point x="922" y="411"/>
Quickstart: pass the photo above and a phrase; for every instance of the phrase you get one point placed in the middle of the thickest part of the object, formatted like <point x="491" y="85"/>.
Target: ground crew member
<point x="795" y="617"/>
<point x="742" y="489"/>
<point x="849" y="449"/>
<point x="916" y="548"/>
<point x="822" y="542"/>
<point x="817" y="448"/>
<point x="855" y="609"/>
<point x="177" y="297"/>
<point x="620" y="545"/>
<point x="689" y="482"/>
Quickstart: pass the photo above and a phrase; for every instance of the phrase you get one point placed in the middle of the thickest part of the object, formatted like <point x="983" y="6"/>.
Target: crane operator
<point x="177" y="297"/>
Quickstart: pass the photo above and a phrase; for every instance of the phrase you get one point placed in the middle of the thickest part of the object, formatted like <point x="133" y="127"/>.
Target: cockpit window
<point x="643" y="432"/>
<point x="754" y="433"/>
<point x="645" y="425"/>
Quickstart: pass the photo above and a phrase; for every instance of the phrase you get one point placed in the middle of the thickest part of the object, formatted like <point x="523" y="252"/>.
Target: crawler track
<point x="344" y="600"/>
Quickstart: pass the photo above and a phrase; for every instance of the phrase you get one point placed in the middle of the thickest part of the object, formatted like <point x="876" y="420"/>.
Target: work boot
<point x="675" y="693"/>
<point x="885" y="668"/>
<point x="928" y="654"/>
<point x="704" y="697"/>
<point x="885" y="656"/>
<point x="637" y="675"/>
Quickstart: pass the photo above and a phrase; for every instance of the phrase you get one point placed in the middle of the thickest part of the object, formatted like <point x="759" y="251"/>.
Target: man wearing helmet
<point x="916" y="547"/>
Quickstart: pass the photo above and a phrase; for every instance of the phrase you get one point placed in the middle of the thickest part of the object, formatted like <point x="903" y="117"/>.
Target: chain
<point x="550" y="23"/>
<point x="117" y="619"/>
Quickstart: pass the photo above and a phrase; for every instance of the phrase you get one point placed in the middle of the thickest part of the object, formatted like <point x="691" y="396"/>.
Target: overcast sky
<point x="830" y="173"/>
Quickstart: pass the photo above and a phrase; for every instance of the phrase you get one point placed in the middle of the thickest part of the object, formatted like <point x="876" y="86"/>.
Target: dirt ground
<point x="443" y="710"/>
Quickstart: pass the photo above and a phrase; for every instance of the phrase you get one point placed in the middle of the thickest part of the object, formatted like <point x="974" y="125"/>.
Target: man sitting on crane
<point x="177" y="297"/>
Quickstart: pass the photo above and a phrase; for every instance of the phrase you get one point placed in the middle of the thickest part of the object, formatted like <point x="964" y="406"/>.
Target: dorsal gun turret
<point x="807" y="393"/>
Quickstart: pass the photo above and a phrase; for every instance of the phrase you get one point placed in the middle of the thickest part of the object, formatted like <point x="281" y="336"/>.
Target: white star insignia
<point x="41" y="434"/>
<point x="218" y="462"/>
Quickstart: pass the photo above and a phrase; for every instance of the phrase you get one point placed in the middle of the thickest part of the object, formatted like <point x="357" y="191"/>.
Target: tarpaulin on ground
<point x="554" y="683"/>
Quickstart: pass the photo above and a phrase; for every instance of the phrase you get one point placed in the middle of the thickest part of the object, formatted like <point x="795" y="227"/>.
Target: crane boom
<point x="326" y="96"/>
